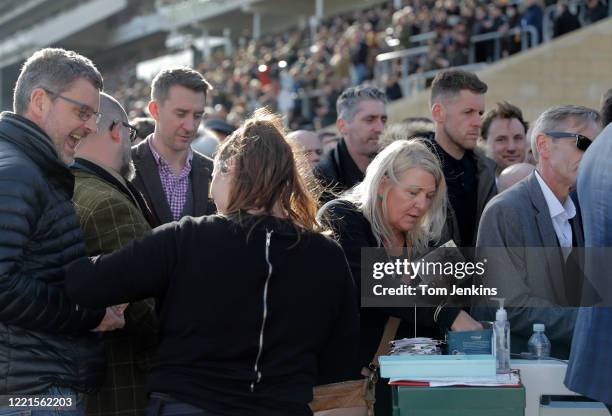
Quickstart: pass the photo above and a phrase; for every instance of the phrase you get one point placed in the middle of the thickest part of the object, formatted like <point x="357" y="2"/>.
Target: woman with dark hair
<point x="401" y="206"/>
<point x="249" y="320"/>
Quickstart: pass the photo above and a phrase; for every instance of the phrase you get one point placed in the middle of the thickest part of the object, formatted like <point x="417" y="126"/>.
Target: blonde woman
<point x="400" y="205"/>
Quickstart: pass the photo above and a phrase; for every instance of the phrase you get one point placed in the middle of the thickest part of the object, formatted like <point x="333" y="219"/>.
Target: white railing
<point x="529" y="39"/>
<point x="387" y="62"/>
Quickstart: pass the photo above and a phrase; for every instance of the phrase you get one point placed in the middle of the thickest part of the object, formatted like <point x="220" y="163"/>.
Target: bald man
<point x="513" y="174"/>
<point x="310" y="144"/>
<point x="112" y="213"/>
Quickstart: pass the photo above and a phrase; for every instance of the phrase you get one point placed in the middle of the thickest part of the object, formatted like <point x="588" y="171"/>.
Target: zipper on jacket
<point x="265" y="311"/>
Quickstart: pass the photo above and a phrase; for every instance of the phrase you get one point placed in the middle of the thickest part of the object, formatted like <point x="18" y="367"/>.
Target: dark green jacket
<point x="109" y="219"/>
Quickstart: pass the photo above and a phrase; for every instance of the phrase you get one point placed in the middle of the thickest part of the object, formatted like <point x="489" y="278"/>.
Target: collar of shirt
<point x="160" y="160"/>
<point x="566" y="211"/>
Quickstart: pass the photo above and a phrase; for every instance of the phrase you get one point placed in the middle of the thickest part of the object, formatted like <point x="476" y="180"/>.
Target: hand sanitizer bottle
<point x="501" y="334"/>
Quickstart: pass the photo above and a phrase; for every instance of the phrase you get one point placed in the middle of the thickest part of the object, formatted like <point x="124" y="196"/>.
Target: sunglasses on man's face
<point x="582" y="142"/>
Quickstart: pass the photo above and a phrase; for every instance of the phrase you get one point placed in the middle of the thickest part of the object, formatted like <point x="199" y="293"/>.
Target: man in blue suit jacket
<point x="590" y="367"/>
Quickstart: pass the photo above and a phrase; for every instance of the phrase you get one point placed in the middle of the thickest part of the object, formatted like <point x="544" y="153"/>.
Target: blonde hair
<point x="392" y="162"/>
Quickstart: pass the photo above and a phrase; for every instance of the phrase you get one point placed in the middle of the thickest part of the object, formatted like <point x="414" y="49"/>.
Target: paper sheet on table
<point x="511" y="379"/>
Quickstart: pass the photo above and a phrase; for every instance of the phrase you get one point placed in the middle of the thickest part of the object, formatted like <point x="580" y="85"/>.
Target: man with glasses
<point x="112" y="213"/>
<point x="172" y="177"/>
<point x="46" y="340"/>
<point x="538" y="270"/>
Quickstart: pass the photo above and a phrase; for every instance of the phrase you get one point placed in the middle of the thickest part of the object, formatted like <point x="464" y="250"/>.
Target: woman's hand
<point x="464" y="322"/>
<point x="119" y="309"/>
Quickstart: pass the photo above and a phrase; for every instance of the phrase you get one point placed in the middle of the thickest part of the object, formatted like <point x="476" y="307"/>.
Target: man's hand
<point x="464" y="322"/>
<point x="111" y="321"/>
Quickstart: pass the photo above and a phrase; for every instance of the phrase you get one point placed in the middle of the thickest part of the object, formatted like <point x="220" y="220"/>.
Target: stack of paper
<point x="415" y="346"/>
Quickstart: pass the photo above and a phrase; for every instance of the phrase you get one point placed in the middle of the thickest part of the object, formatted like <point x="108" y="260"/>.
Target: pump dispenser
<point x="501" y="333"/>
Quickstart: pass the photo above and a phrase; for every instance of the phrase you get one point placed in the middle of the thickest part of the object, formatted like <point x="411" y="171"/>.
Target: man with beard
<point x="112" y="213"/>
<point x="362" y="116"/>
<point x="45" y="340"/>
<point x="457" y="104"/>
<point x="172" y="177"/>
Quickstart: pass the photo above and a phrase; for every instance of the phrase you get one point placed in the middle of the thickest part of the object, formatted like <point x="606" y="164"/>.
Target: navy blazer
<point x="590" y="366"/>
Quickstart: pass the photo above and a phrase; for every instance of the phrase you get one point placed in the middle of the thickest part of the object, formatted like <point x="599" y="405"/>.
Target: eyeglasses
<point x="133" y="130"/>
<point x="85" y="111"/>
<point x="582" y="142"/>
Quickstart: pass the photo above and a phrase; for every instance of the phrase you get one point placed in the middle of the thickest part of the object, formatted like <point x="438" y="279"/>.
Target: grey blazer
<point x="148" y="182"/>
<point x="531" y="280"/>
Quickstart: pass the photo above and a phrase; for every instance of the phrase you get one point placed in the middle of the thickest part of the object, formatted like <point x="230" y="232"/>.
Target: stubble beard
<point x="128" y="171"/>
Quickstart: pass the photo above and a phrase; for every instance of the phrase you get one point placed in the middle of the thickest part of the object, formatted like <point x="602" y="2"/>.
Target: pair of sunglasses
<point x="582" y="142"/>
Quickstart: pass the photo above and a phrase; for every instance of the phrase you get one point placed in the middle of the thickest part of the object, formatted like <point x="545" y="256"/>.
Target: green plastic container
<point x="458" y="401"/>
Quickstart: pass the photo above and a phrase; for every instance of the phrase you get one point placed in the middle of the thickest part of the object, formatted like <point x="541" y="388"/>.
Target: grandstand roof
<point x="123" y="22"/>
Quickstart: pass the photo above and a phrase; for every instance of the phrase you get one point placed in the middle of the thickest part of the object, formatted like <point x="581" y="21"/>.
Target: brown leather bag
<point x="354" y="397"/>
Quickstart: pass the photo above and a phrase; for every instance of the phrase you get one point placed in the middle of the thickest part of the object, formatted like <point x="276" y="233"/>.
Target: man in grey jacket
<point x="528" y="234"/>
<point x="47" y="346"/>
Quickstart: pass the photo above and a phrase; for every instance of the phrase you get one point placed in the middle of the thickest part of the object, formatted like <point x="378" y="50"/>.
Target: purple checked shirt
<point x="175" y="187"/>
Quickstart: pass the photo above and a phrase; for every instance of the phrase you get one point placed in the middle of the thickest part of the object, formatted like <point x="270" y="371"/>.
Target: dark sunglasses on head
<point x="133" y="130"/>
<point x="582" y="142"/>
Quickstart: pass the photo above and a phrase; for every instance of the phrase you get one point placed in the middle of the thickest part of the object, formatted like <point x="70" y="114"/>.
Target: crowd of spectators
<point x="301" y="76"/>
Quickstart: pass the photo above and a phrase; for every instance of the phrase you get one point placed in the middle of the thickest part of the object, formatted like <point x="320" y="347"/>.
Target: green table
<point x="458" y="401"/>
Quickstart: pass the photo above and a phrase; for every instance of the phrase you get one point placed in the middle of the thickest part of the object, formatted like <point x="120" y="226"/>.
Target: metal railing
<point x="529" y="39"/>
<point x="548" y="20"/>
<point x="385" y="62"/>
<point x="576" y="7"/>
<point x="418" y="82"/>
<point x="423" y="37"/>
